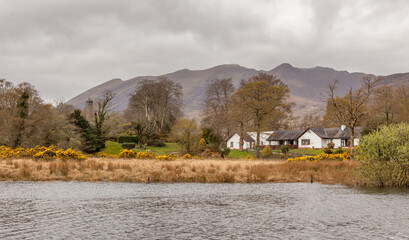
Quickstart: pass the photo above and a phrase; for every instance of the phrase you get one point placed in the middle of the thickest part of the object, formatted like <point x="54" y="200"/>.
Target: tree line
<point x="260" y="102"/>
<point x="155" y="113"/>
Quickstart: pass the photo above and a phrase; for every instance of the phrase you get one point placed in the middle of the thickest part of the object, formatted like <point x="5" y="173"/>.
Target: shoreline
<point x="178" y="171"/>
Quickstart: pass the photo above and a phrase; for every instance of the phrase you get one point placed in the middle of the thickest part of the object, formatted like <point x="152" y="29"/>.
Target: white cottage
<point x="309" y="138"/>
<point x="320" y="137"/>
<point x="249" y="140"/>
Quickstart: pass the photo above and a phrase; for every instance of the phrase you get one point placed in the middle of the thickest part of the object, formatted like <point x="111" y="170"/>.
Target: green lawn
<point x="307" y="151"/>
<point x="240" y="154"/>
<point x="114" y="148"/>
<point x="169" y="148"/>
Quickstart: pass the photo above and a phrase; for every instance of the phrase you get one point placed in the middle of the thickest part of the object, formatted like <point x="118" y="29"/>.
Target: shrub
<point x="339" y="151"/>
<point x="249" y="157"/>
<point x="285" y="149"/>
<point x="128" y="145"/>
<point x="202" y="143"/>
<point x="105" y="155"/>
<point x="384" y="156"/>
<point x="187" y="156"/>
<point x="322" y="156"/>
<point x="327" y="150"/>
<point x="156" y="143"/>
<point x="38" y="152"/>
<point x="207" y="153"/>
<point x="127" y="139"/>
<point x="46" y="154"/>
<point x="70" y="154"/>
<point x="331" y="145"/>
<point x="127" y="153"/>
<point x="214" y="147"/>
<point x="267" y="152"/>
<point x="225" y="152"/>
<point x="167" y="157"/>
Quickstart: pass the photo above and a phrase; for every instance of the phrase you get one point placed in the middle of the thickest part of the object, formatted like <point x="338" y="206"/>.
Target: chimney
<point x="343" y="127"/>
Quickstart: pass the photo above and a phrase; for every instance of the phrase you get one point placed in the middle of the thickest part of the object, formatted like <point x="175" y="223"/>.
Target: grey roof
<point x="248" y="138"/>
<point x="285" y="135"/>
<point x="336" y="133"/>
<point x="329" y="133"/>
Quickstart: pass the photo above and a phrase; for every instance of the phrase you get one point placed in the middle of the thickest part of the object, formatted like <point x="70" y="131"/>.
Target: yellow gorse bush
<point x="129" y="153"/>
<point x="6" y="152"/>
<point x="70" y="154"/>
<point x="187" y="156"/>
<point x="105" y="155"/>
<point x="41" y="152"/>
<point x="167" y="157"/>
<point x="323" y="156"/>
<point x="267" y="151"/>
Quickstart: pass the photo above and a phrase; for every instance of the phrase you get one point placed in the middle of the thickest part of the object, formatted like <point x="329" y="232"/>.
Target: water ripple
<point x="75" y="210"/>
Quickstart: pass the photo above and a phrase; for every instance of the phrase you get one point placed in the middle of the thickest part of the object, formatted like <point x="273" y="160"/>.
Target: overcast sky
<point x="65" y="47"/>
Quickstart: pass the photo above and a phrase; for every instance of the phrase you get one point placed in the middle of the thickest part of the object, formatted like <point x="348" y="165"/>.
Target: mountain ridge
<point x="307" y="86"/>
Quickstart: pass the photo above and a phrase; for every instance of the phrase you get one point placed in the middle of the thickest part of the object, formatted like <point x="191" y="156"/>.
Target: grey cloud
<point x="65" y="47"/>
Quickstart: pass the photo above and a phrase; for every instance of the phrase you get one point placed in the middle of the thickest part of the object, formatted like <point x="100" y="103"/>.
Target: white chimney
<point x="343" y="127"/>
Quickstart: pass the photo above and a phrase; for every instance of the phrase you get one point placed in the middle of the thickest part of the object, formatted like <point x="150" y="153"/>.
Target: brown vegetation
<point x="212" y="171"/>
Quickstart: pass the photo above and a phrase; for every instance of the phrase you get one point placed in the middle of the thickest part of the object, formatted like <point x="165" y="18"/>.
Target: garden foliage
<point x="127" y="138"/>
<point x="39" y="152"/>
<point x="322" y="156"/>
<point x="384" y="156"/>
<point x="267" y="152"/>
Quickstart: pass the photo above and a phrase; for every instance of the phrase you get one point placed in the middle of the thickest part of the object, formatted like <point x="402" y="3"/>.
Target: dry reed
<point x="181" y="170"/>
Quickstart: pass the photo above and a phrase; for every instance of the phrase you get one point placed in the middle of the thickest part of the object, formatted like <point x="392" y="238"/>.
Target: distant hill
<point x="308" y="86"/>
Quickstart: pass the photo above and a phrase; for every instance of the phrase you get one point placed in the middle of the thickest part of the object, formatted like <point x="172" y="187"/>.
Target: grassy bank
<point x="212" y="171"/>
<point x="237" y="154"/>
<point x="114" y="148"/>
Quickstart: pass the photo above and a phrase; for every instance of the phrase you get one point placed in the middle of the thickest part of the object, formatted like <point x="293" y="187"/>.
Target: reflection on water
<point x="74" y="210"/>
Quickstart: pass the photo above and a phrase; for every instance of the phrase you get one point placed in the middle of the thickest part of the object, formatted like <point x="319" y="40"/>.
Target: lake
<point x="108" y="210"/>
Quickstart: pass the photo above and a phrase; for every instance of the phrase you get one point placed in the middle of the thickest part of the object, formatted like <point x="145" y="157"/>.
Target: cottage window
<point x="231" y="144"/>
<point x="305" y="141"/>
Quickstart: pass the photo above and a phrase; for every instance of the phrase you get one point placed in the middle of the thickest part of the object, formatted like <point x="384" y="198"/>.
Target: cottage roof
<point x="285" y="135"/>
<point x="248" y="138"/>
<point x="336" y="133"/>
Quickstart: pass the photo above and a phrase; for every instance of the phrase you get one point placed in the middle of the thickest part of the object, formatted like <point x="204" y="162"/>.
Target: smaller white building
<point x="249" y="140"/>
<point x="263" y="137"/>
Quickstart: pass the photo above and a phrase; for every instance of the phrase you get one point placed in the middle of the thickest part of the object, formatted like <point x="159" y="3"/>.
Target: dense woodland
<point x="155" y="114"/>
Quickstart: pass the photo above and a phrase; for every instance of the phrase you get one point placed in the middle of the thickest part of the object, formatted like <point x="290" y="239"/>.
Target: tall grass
<point x="212" y="171"/>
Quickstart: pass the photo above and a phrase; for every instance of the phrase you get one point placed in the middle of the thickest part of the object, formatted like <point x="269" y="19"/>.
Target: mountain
<point x="308" y="86"/>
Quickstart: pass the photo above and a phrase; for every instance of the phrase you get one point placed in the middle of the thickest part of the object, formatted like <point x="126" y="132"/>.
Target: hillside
<point x="308" y="86"/>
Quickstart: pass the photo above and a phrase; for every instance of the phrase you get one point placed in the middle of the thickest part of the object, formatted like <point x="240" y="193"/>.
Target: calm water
<point x="74" y="210"/>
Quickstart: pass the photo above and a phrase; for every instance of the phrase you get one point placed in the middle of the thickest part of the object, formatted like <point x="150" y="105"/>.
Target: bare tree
<point x="101" y="114"/>
<point x="350" y="109"/>
<point x="402" y="103"/>
<point x="156" y="104"/>
<point x="238" y="116"/>
<point x="216" y="106"/>
<point x="310" y="121"/>
<point x="384" y="102"/>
